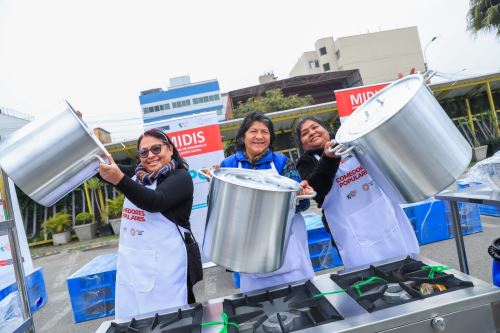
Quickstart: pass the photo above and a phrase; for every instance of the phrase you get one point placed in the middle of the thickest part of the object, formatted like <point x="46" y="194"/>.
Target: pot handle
<point x="208" y="173"/>
<point x="101" y="160"/>
<point x="340" y="149"/>
<point x="306" y="196"/>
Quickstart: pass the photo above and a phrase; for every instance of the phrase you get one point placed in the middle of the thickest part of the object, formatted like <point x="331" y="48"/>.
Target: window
<point x="326" y="67"/>
<point x="205" y="99"/>
<point x="337" y="54"/>
<point x="322" y="51"/>
<point x="313" y="64"/>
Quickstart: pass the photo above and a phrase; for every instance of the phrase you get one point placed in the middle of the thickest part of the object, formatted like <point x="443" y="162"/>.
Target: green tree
<point x="484" y="15"/>
<point x="273" y="100"/>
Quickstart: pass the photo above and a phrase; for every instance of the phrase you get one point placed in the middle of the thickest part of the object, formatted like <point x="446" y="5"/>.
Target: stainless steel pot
<point x="406" y="141"/>
<point x="49" y="158"/>
<point x="248" y="218"/>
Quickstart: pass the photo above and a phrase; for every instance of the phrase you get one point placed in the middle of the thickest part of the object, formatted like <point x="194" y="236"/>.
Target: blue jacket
<point x="280" y="162"/>
<point x="262" y="164"/>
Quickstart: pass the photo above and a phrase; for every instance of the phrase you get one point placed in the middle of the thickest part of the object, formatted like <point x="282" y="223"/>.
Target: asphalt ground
<point x="57" y="317"/>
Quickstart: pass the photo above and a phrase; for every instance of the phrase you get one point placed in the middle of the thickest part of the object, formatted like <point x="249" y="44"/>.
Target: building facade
<point x="182" y="98"/>
<point x="379" y="56"/>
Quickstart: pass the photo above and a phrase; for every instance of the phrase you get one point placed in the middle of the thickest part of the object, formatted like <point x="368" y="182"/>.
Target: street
<point x="56" y="316"/>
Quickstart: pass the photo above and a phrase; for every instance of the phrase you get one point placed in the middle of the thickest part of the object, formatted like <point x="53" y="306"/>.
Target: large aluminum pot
<point x="406" y="141"/>
<point x="248" y="218"/>
<point x="49" y="158"/>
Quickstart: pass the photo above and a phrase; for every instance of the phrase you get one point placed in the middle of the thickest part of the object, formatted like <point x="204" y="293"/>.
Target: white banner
<point x="198" y="139"/>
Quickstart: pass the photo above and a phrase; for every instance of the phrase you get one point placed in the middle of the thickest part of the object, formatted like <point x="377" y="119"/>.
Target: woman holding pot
<point x="366" y="225"/>
<point x="255" y="138"/>
<point x="158" y="258"/>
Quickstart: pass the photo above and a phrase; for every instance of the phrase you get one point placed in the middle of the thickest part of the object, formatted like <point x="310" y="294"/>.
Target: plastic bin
<point x="323" y="255"/>
<point x="92" y="288"/>
<point x="429" y="221"/>
<point x="35" y="284"/>
<point x="470" y="213"/>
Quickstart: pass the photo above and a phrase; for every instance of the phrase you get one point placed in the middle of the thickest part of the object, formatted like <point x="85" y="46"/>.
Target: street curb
<point x="98" y="245"/>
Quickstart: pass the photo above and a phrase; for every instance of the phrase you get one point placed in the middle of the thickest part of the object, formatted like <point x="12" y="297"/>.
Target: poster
<point x="198" y="140"/>
<point x="350" y="99"/>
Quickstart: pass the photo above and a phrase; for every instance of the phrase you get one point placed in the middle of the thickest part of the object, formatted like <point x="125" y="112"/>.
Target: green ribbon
<point x="358" y="285"/>
<point x="225" y="321"/>
<point x="434" y="269"/>
<point x="330" y="293"/>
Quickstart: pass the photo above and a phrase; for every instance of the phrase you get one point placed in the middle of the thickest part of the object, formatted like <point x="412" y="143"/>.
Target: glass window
<point x="326" y="67"/>
<point x="322" y="50"/>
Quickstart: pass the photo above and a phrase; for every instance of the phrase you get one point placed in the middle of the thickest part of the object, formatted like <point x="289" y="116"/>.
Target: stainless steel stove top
<point x="474" y="309"/>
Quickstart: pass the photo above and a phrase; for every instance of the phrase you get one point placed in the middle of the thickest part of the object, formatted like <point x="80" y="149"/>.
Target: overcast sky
<point x="99" y="54"/>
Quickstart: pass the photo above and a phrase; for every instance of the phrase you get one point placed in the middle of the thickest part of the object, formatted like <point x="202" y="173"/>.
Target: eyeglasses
<point x="155" y="149"/>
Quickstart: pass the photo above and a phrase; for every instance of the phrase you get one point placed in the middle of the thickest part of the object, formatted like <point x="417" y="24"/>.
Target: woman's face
<point x="313" y="135"/>
<point x="257" y="138"/>
<point x="152" y="161"/>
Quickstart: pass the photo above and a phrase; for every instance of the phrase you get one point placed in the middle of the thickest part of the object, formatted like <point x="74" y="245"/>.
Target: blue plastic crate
<point x="92" y="288"/>
<point x="35" y="284"/>
<point x="323" y="255"/>
<point x="429" y="221"/>
<point x="492" y="210"/>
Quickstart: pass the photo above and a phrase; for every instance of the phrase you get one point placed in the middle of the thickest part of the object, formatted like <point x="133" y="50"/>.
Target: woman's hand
<point x="207" y="171"/>
<point x="330" y="144"/>
<point x="306" y="188"/>
<point x="110" y="172"/>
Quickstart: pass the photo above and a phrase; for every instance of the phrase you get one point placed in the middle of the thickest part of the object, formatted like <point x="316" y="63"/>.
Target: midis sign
<point x="350" y="99"/>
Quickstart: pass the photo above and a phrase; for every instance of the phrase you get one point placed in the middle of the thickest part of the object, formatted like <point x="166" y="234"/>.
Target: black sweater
<point x="319" y="174"/>
<point x="173" y="196"/>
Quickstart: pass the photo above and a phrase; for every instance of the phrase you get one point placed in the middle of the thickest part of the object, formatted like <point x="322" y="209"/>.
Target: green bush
<point x="115" y="207"/>
<point x="84" y="218"/>
<point x="58" y="223"/>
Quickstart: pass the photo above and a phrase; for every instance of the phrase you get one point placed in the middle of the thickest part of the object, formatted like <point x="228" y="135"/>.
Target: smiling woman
<point x="155" y="270"/>
<point x="255" y="139"/>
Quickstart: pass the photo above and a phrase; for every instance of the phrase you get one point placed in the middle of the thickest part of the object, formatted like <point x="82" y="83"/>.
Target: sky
<point x="99" y="54"/>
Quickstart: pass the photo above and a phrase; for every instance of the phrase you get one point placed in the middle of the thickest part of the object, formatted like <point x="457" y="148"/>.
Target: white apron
<point x="366" y="225"/>
<point x="152" y="263"/>
<point x="297" y="263"/>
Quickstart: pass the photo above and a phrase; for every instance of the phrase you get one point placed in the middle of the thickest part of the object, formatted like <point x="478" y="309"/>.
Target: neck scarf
<point x="256" y="157"/>
<point x="146" y="178"/>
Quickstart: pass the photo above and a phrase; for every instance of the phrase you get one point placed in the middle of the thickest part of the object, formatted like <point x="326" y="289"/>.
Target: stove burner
<point x="395" y="293"/>
<point x="181" y="321"/>
<point x="279" y="322"/>
<point x="283" y="310"/>
<point x="384" y="286"/>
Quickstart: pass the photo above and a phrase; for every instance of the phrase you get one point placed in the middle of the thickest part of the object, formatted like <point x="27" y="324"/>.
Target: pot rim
<point x="349" y="138"/>
<point x="86" y="128"/>
<point x="278" y="190"/>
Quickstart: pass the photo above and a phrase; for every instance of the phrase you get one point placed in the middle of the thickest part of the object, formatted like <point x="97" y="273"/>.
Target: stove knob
<point x="438" y="324"/>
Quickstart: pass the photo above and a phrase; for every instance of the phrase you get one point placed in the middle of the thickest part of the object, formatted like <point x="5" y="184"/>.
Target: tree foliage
<point x="273" y="100"/>
<point x="484" y="15"/>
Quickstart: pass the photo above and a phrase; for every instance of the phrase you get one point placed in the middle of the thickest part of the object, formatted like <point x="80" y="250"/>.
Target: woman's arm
<point x="173" y="190"/>
<point x="319" y="174"/>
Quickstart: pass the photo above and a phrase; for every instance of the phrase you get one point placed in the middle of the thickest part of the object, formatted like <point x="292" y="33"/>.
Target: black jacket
<point x="173" y="196"/>
<point x="319" y="174"/>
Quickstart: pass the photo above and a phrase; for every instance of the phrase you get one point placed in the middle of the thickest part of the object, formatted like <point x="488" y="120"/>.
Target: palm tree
<point x="484" y="15"/>
<point x="95" y="186"/>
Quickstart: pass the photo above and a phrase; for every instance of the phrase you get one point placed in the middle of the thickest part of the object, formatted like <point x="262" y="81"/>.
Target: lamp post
<point x="425" y="50"/>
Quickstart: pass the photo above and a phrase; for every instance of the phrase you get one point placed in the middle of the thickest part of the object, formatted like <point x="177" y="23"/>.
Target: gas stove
<point x="405" y="295"/>
<point x="408" y="280"/>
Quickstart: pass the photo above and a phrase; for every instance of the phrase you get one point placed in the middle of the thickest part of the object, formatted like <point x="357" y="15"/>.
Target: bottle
<point x="494" y="251"/>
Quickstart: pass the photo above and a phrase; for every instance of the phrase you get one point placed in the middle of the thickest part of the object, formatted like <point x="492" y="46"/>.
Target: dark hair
<point x="159" y="134"/>
<point x="249" y="119"/>
<point x="296" y="130"/>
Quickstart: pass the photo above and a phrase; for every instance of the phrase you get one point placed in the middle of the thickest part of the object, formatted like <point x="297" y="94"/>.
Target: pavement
<point x="60" y="262"/>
